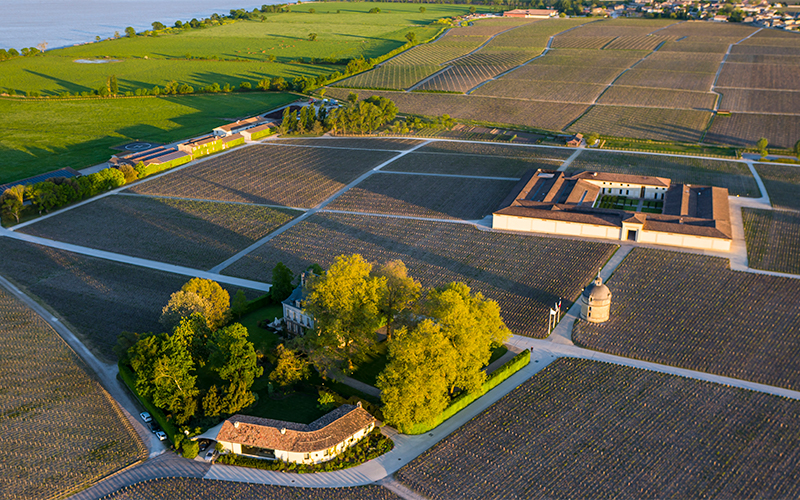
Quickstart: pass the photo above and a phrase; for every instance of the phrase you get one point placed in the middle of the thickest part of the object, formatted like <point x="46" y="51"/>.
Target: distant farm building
<point x="154" y="156"/>
<point x="531" y="13"/>
<point x="238" y="126"/>
<point x="596" y="302"/>
<point x="620" y="207"/>
<point x="575" y="141"/>
<point x="319" y="441"/>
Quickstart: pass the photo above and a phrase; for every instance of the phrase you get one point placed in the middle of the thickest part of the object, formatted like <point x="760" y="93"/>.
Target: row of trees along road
<point x="439" y="340"/>
<point x="166" y="365"/>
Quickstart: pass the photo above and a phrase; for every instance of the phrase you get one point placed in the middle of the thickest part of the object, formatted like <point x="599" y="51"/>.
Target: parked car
<point x="146" y="417"/>
<point x="154" y="427"/>
<point x="161" y="435"/>
<point x="203" y="444"/>
<point x="210" y="455"/>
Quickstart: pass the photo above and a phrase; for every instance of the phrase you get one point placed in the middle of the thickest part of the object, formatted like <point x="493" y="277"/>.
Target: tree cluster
<point x="166" y="364"/>
<point x="25" y="52"/>
<point x="59" y="191"/>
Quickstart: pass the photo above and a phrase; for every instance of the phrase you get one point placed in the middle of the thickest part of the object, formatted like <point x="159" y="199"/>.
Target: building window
<point x="307" y="456"/>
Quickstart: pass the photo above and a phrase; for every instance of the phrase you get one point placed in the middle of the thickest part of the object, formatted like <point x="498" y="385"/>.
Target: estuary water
<point x="27" y="23"/>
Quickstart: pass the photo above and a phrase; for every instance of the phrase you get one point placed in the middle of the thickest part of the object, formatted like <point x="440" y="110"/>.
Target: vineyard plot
<point x="189" y="488"/>
<point x="463" y="164"/>
<point x="759" y="76"/>
<point x="524" y="274"/>
<point x="390" y="76"/>
<point x="734" y="176"/>
<point x="773" y="55"/>
<point x="782" y="183"/>
<point x="744" y="129"/>
<point x="698" y="82"/>
<point x="352" y="143"/>
<point x="542" y="90"/>
<point x="425" y="196"/>
<point x="681" y="125"/>
<point x="658" y="98"/>
<point x="279" y="175"/>
<point x="98" y="298"/>
<point x="494" y="150"/>
<point x="684" y="62"/>
<point x="773" y="239"/>
<point x="461" y="78"/>
<point x="61" y="431"/>
<point x="760" y="101"/>
<point x="586" y="429"/>
<point x="184" y="232"/>
<point x="692" y="311"/>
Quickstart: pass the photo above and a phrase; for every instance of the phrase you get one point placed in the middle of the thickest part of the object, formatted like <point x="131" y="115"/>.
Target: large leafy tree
<point x="415" y="384"/>
<point x="234" y="359"/>
<point x="472" y="324"/>
<point x="282" y="282"/>
<point x="398" y="293"/>
<point x="290" y="368"/>
<point x="344" y="303"/>
<point x="198" y="295"/>
<point x="11" y="201"/>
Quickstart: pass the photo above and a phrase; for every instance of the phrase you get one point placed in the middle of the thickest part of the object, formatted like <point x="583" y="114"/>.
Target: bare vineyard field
<point x="461" y="78"/>
<point x="763" y="101"/>
<point x="773" y="239"/>
<point x="586" y="429"/>
<point x="183" y="232"/>
<point x="782" y="183"/>
<point x="683" y="125"/>
<point x="692" y="311"/>
<point x="279" y="175"/>
<point x="744" y="129"/>
<point x="538" y="114"/>
<point x="614" y="29"/>
<point x="734" y="176"/>
<point x="661" y="98"/>
<point x="470" y="165"/>
<point x="592" y="58"/>
<point x="61" y="431"/>
<point x="767" y="51"/>
<point x="534" y="34"/>
<point x="542" y="90"/>
<point x="759" y="76"/>
<point x="735" y="57"/>
<point x="682" y="62"/>
<point x="494" y="150"/>
<point x="187" y="488"/>
<point x="694" y="45"/>
<point x="561" y="75"/>
<point x="352" y="143"/>
<point x="581" y="42"/>
<point x="487" y="28"/>
<point x="437" y="253"/>
<point x="698" y="82"/>
<point x="503" y="57"/>
<point x="425" y="196"/>
<point x="390" y="77"/>
<point x="98" y="298"/>
<point x="640" y="42"/>
<point x="703" y="29"/>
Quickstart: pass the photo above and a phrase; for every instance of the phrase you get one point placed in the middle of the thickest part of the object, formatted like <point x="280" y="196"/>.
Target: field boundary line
<point x="764" y="194"/>
<point x="122" y="188"/>
<point x="226" y="263"/>
<point x="719" y="69"/>
<point x="165" y="197"/>
<point x="428" y="174"/>
<point x="137" y="261"/>
<point x="542" y="54"/>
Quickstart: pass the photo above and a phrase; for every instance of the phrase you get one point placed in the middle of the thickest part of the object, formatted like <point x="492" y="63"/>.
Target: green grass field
<point x="186" y="56"/>
<point x="39" y="136"/>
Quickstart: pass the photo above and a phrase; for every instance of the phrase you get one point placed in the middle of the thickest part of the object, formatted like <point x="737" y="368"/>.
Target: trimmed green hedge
<point x="129" y="378"/>
<point x="517" y="363"/>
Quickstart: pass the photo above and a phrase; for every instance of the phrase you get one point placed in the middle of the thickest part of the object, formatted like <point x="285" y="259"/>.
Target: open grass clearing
<point x="189" y="233"/>
<point x="188" y="488"/>
<point x="734" y="176"/>
<point x="745" y="129"/>
<point x="437" y="253"/>
<point x="773" y="239"/>
<point x="268" y="174"/>
<point x="425" y="196"/>
<point x="97" y="298"/>
<point x="43" y="135"/>
<point x="61" y="429"/>
<point x="535" y="114"/>
<point x="679" y="125"/>
<point x="670" y="437"/>
<point x="692" y="311"/>
<point x="782" y="183"/>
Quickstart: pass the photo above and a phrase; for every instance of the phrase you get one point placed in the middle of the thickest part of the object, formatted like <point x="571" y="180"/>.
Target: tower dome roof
<point x="597" y="291"/>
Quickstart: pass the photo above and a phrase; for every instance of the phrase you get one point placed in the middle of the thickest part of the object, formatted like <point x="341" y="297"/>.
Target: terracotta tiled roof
<point x="322" y="434"/>
<point x="230" y="138"/>
<point x="240" y="123"/>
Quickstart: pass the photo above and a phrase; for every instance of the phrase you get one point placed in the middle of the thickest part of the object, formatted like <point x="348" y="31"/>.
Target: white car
<point x="146" y="417"/>
<point x="161" y="435"/>
<point x="210" y="455"/>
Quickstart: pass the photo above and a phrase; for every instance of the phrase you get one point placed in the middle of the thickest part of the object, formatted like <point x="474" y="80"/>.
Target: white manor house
<point x="619" y="207"/>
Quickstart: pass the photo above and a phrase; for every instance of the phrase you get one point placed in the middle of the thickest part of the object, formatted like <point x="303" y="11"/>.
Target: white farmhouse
<point x="297" y="321"/>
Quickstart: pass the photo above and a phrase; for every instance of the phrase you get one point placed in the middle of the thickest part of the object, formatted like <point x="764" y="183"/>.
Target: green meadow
<point x="146" y="61"/>
<point x="43" y="135"/>
<point x="39" y="135"/>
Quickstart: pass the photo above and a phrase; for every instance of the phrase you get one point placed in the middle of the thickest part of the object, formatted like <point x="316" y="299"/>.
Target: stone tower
<point x="596" y="302"/>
